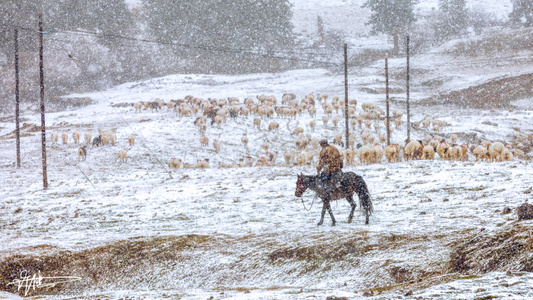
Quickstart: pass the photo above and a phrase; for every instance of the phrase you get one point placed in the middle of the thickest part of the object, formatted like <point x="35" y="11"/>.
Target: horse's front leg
<point x="323" y="212"/>
<point x="328" y="207"/>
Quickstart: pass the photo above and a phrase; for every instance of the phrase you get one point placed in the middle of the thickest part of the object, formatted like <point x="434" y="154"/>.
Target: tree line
<point x="93" y="44"/>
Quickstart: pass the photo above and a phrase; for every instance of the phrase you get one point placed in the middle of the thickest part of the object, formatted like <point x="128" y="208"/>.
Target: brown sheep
<point x="64" y="137"/>
<point x="273" y="126"/>
<point x="76" y="136"/>
<point x="392" y="153"/>
<point x="204" y="141"/>
<point x="82" y="153"/>
<point x="131" y="140"/>
<point x="443" y="150"/>
<point x="428" y="152"/>
<point x="412" y="149"/>
<point x="349" y="154"/>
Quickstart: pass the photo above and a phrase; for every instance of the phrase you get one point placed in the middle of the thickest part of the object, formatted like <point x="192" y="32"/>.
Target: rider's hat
<point x="323" y="142"/>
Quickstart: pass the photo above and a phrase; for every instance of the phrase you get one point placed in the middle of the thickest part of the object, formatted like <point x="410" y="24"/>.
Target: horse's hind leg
<point x="353" y="205"/>
<point x="349" y="198"/>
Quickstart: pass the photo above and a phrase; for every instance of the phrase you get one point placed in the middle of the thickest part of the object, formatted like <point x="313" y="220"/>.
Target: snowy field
<point x="249" y="229"/>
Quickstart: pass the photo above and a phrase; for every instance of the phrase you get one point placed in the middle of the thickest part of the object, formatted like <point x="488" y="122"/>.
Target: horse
<point x="349" y="183"/>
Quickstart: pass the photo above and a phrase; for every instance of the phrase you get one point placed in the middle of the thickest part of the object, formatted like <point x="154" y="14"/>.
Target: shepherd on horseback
<point x="332" y="184"/>
<point x="329" y="167"/>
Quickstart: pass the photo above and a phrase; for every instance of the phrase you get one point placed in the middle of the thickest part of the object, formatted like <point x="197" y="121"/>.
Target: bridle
<point x="300" y="187"/>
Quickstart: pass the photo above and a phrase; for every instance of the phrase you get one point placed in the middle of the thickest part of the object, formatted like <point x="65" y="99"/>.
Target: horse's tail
<point x="365" y="200"/>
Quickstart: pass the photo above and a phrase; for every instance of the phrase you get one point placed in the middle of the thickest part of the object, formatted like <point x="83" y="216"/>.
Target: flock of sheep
<point x="369" y="146"/>
<point x="105" y="137"/>
<point x="367" y="141"/>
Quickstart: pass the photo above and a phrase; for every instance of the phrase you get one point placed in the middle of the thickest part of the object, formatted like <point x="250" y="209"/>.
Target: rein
<point x="303" y="203"/>
<point x="300" y="186"/>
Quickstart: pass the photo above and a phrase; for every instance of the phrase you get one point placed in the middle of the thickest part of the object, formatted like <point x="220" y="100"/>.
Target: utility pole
<point x="407" y="90"/>
<point x="17" y="100"/>
<point x="43" y="124"/>
<point x="346" y="96"/>
<point x="387" y="97"/>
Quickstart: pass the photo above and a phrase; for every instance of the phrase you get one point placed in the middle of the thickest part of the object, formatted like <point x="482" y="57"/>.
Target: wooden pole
<point x="17" y="100"/>
<point x="387" y="97"/>
<point x="407" y="91"/>
<point x="346" y="96"/>
<point x="43" y="123"/>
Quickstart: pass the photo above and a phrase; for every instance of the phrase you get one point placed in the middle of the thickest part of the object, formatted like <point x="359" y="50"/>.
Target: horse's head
<point x="301" y="186"/>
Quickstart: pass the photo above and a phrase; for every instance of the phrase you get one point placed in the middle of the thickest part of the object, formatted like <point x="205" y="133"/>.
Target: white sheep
<point x="122" y="155"/>
<point x="216" y="145"/>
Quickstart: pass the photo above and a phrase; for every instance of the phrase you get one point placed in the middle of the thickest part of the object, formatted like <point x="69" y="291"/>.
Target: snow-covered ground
<point x="251" y="214"/>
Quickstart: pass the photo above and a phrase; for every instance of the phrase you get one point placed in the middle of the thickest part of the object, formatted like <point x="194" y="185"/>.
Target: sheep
<point x="335" y="121"/>
<point x="82" y="153"/>
<point x="312" y="125"/>
<point x="338" y="139"/>
<point x="54" y="137"/>
<point x="244" y="139"/>
<point x="479" y="152"/>
<point x="325" y="120"/>
<point x="76" y="136"/>
<point x="364" y="154"/>
<point x="289" y="156"/>
<point x="257" y="123"/>
<point x="349" y="155"/>
<point x="204" y="141"/>
<point x="443" y="150"/>
<point x="392" y="153"/>
<point x="202" y="164"/>
<point x="272" y="156"/>
<point x="507" y="155"/>
<point x="64" y="137"/>
<point x="88" y="136"/>
<point x="301" y="158"/>
<point x="262" y="161"/>
<point x="517" y="152"/>
<point x="174" y="163"/>
<point x="412" y="150"/>
<point x="216" y="145"/>
<point x="138" y="106"/>
<point x="122" y="155"/>
<point x="495" y="151"/>
<point x="455" y="152"/>
<point x="428" y="152"/>
<point x="273" y="126"/>
<point x="131" y="140"/>
<point x="375" y="154"/>
<point x="453" y="138"/>
<point x="302" y="141"/>
<point x="265" y="146"/>
<point x="108" y="136"/>
<point x="297" y="131"/>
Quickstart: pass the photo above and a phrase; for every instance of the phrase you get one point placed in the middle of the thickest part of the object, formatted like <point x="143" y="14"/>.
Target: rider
<point x="330" y="163"/>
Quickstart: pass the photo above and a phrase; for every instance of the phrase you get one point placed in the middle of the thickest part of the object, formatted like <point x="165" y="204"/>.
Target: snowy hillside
<point x="441" y="229"/>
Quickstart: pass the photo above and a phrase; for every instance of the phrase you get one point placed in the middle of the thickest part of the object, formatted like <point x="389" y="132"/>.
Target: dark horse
<point x="349" y="183"/>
